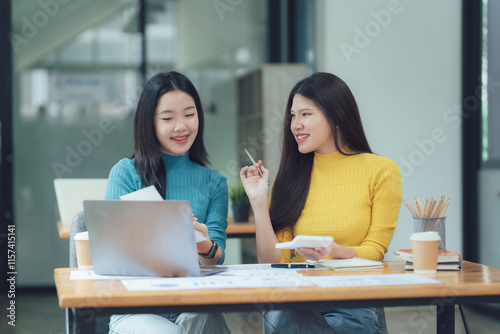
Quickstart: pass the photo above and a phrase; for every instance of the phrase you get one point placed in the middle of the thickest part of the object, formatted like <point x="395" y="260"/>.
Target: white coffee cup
<point x="425" y="248"/>
<point x="82" y="245"/>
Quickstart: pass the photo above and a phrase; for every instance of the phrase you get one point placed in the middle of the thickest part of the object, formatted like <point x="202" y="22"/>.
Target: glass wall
<point x="213" y="45"/>
<point x="77" y="80"/>
<point x="490" y="94"/>
<point x="489" y="173"/>
<point x="73" y="112"/>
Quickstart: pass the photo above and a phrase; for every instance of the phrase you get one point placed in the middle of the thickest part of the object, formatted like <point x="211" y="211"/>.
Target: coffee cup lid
<point x="425" y="236"/>
<point x="82" y="236"/>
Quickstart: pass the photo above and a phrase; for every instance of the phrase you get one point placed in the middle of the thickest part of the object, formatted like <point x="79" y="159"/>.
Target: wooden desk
<point x="63" y="230"/>
<point x="474" y="284"/>
<point x="240" y="230"/>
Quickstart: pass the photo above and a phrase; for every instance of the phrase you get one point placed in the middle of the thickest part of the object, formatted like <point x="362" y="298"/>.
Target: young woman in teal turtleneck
<point x="169" y="153"/>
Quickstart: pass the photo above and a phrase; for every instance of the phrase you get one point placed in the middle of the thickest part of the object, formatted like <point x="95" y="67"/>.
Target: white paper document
<point x="262" y="269"/>
<point x="235" y="277"/>
<point x="342" y="281"/>
<point x="145" y="194"/>
<point x="309" y="241"/>
<point x="241" y="270"/>
<point x="254" y="276"/>
<point x="198" y="236"/>
<point x="151" y="194"/>
<point x="91" y="275"/>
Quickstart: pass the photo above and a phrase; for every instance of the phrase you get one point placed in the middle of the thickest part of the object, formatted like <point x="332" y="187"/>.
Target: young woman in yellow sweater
<point x="329" y="183"/>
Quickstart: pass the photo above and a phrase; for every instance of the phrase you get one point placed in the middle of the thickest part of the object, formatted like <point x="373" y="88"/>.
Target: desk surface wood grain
<point x="473" y="280"/>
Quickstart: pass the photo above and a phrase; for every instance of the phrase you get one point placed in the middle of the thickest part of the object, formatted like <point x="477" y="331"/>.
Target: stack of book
<point x="447" y="260"/>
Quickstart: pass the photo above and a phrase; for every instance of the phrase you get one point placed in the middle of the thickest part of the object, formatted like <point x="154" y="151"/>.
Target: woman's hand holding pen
<point x="256" y="185"/>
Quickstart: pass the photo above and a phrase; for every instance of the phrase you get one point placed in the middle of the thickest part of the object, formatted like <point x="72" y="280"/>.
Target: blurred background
<point x="425" y="74"/>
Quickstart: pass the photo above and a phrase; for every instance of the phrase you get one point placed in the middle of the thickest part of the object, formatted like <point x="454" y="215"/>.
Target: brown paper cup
<point x="83" y="257"/>
<point x="425" y="247"/>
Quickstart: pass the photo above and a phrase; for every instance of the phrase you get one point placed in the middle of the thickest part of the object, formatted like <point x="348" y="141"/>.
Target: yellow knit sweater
<point x="355" y="199"/>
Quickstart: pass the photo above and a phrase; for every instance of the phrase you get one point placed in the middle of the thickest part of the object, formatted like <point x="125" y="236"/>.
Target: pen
<point x="252" y="160"/>
<point x="292" y="265"/>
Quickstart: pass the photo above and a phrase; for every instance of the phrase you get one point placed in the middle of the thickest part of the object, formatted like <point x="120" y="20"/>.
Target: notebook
<point x="352" y="263"/>
<point x="143" y="238"/>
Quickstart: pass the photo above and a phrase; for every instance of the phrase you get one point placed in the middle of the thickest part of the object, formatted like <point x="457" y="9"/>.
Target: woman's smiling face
<point x="176" y="122"/>
<point x="310" y="127"/>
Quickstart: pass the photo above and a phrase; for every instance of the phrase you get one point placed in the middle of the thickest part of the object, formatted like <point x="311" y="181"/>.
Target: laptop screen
<point x="142" y="238"/>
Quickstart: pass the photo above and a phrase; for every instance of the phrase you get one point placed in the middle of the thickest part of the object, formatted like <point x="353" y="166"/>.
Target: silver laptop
<point x="143" y="238"/>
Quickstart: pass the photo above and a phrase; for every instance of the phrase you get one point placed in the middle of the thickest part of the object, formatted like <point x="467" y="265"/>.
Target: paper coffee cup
<point x="425" y="247"/>
<point x="82" y="246"/>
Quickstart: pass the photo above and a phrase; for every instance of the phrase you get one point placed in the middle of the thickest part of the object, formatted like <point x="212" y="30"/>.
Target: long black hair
<point x="147" y="148"/>
<point x="334" y="98"/>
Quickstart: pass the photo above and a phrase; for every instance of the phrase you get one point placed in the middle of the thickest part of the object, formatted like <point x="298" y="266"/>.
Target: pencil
<point x="414" y="210"/>
<point x="419" y="207"/>
<point x="445" y="206"/>
<point x="414" y="214"/>
<point x="437" y="210"/>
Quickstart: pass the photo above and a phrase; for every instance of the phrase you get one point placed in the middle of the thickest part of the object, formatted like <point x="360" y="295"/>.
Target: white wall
<point x="402" y="60"/>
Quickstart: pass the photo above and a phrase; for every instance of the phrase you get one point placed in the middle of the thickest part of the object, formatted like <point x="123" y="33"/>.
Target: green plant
<point x="237" y="193"/>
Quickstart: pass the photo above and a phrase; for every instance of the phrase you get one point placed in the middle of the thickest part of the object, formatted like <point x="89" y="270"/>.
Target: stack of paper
<point x="443" y="256"/>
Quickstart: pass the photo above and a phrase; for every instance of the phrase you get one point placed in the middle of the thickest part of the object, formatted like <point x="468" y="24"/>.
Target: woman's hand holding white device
<point x="312" y="247"/>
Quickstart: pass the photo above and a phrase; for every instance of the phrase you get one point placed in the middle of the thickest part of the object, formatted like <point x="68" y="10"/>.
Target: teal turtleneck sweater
<point x="204" y="188"/>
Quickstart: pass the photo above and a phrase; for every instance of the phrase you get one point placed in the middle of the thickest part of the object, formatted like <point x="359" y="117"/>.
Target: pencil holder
<point x="436" y="224"/>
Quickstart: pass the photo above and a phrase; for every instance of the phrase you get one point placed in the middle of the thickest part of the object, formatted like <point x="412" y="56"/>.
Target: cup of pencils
<point x="429" y="215"/>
